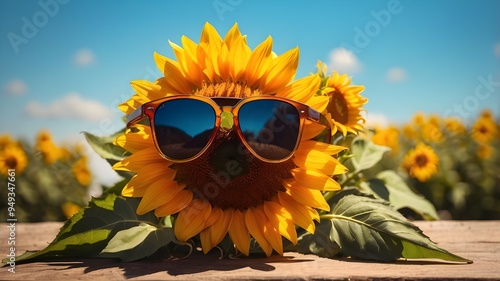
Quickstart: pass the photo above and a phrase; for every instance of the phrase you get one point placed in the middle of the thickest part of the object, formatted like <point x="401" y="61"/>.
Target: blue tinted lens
<point x="270" y="127"/>
<point x="183" y="127"/>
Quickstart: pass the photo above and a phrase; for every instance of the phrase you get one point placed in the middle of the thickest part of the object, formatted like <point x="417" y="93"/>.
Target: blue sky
<point x="67" y="64"/>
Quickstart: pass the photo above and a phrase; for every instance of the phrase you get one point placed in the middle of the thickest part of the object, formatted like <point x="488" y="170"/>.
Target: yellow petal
<point x="188" y="62"/>
<point x="319" y="161"/>
<point x="159" y="193"/>
<point x="191" y="220"/>
<point x="270" y="233"/>
<point x="232" y="35"/>
<point x="279" y="216"/>
<point x="223" y="63"/>
<point x="311" y="130"/>
<point x="206" y="234"/>
<point x="259" y="61"/>
<point x="149" y="174"/>
<point x="315" y="180"/>
<point x="302" y="215"/>
<point x="130" y="105"/>
<point x="160" y="61"/>
<point x="219" y="222"/>
<point x="147" y="89"/>
<point x="239" y="54"/>
<point x="212" y="43"/>
<point x="135" y="141"/>
<point x="319" y="103"/>
<point x="330" y="149"/>
<point x="129" y="190"/>
<point x="239" y="233"/>
<point x="175" y="78"/>
<point x="281" y="72"/>
<point x="139" y="159"/>
<point x="255" y="221"/>
<point x="221" y="226"/>
<point x="206" y="240"/>
<point x="182" y="200"/>
<point x="306" y="196"/>
<point x="301" y="90"/>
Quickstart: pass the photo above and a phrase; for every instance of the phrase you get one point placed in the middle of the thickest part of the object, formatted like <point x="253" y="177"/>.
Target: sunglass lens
<point x="183" y="127"/>
<point x="270" y="127"/>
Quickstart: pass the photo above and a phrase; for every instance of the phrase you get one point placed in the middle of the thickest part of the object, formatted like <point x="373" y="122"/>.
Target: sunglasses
<point x="184" y="126"/>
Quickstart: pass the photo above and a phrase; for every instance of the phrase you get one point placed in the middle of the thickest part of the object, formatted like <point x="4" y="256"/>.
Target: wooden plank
<point x="476" y="240"/>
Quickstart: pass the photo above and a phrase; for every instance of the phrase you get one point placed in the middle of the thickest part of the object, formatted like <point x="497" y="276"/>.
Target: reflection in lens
<point x="270" y="127"/>
<point x="183" y="127"/>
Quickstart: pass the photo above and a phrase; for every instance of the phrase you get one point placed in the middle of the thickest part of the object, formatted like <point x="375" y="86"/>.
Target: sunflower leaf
<point x="368" y="228"/>
<point x="137" y="242"/>
<point x="320" y="243"/>
<point x="389" y="186"/>
<point x="88" y="232"/>
<point x="366" y="154"/>
<point x="104" y="146"/>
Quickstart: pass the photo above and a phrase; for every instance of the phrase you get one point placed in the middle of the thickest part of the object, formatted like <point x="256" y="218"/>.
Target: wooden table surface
<point x="476" y="240"/>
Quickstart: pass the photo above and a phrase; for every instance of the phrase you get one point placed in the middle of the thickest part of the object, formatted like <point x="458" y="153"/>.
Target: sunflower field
<point x="453" y="164"/>
<point x="52" y="181"/>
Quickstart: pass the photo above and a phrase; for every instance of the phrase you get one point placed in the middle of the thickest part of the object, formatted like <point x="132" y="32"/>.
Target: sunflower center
<point x="11" y="162"/>
<point x="483" y="130"/>
<point x="338" y="107"/>
<point x="227" y="175"/>
<point x="421" y="160"/>
<point x="227" y="89"/>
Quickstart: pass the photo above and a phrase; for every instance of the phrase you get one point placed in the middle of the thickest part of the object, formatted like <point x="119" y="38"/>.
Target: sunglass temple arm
<point x="135" y="116"/>
<point x="320" y="118"/>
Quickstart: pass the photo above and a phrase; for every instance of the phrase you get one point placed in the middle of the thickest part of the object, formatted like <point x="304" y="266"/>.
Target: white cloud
<point x="84" y="57"/>
<point x="374" y="119"/>
<point x="497" y="50"/>
<point x="70" y="106"/>
<point x="16" y="87"/>
<point x="343" y="61"/>
<point x="396" y="74"/>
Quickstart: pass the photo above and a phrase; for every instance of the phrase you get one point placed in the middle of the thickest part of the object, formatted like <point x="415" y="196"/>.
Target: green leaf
<point x="366" y="154"/>
<point x="389" y="186"/>
<point x="320" y="243"/>
<point x="104" y="146"/>
<point x="137" y="242"/>
<point x="88" y="232"/>
<point x="368" y="228"/>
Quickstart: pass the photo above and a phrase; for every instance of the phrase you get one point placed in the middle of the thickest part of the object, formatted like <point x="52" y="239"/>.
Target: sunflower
<point x="388" y="137"/>
<point x="421" y="162"/>
<point x="418" y="119"/>
<point x="409" y="131"/>
<point x="251" y="198"/>
<point x="484" y="151"/>
<point x="69" y="209"/>
<point x="432" y="133"/>
<point x="484" y="130"/>
<point x="6" y="141"/>
<point x="81" y="171"/>
<point x="13" y="157"/>
<point x="344" y="102"/>
<point x="44" y="144"/>
<point x="454" y="126"/>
